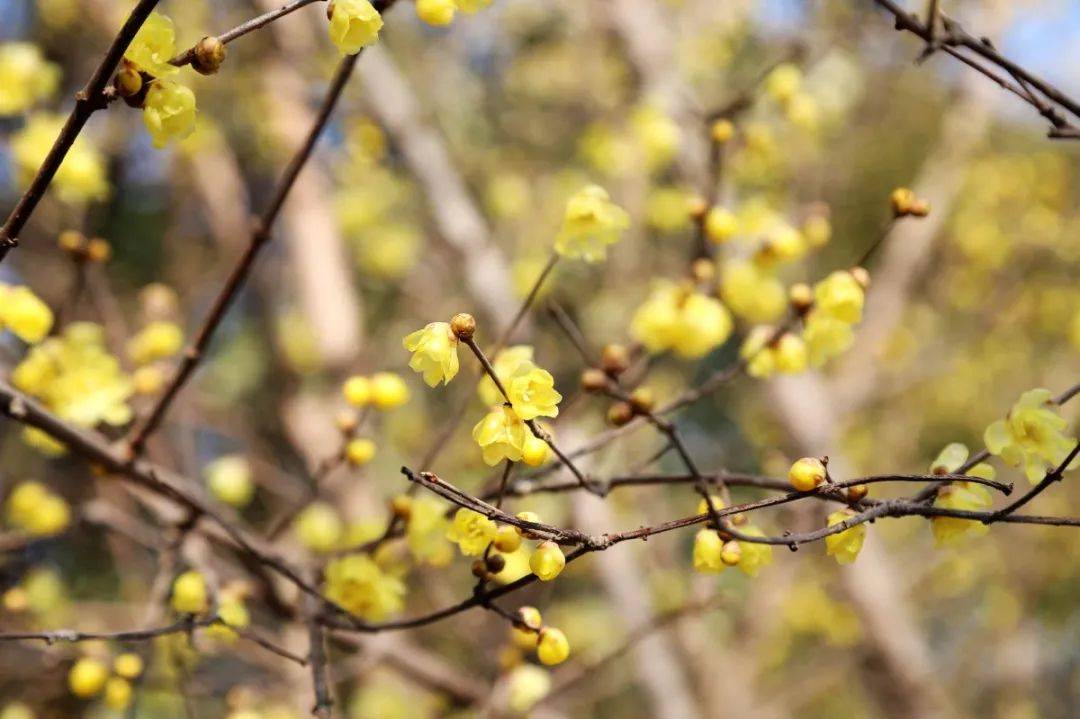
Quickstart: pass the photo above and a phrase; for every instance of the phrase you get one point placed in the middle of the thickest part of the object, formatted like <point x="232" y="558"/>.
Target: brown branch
<point x="93" y="97"/>
<point x="1052" y="476"/>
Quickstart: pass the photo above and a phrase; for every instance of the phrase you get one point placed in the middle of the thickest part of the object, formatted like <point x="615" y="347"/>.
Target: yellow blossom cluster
<point x="679" y="318"/>
<point x="967" y="496"/>
<point x="35" y="509"/>
<point x="359" y="585"/>
<point x="1032" y="436"/>
<point x="24" y="314"/>
<point x="713" y="554"/>
<point x="26" y="77"/>
<point x="82" y="175"/>
<point x="168" y="106"/>
<point x="90" y="677"/>
<point x="591" y="223"/>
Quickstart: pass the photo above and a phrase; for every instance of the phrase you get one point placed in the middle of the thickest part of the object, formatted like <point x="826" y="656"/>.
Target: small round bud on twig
<point x="209" y="54"/>
<point x="920" y="208"/>
<point x="463" y="326"/>
<point x="593" y="380"/>
<point x="401" y="506"/>
<point x="731" y="553"/>
<point x="620" y="413"/>
<point x="696" y="206"/>
<point x="642" y="400"/>
<point x="801" y="297"/>
<point x="857" y="492"/>
<point x="346" y="421"/>
<point x="614" y="359"/>
<point x="479" y="569"/>
<point x="900" y="200"/>
<point x="739" y="519"/>
<point x="98" y="250"/>
<point x="495" y="563"/>
<point x="128" y="82"/>
<point x="703" y="270"/>
<point x="861" y="276"/>
<point x="72" y="241"/>
<point x="722" y="131"/>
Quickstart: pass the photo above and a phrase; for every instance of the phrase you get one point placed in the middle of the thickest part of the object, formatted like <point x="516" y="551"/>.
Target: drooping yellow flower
<point x="968" y="496"/>
<point x="505" y="364"/>
<point x="501" y="435"/>
<point x="1031" y="436"/>
<point x="532" y="392"/>
<point x="754" y="554"/>
<point x="81" y="176"/>
<point x="76" y="378"/>
<point x="752" y="292"/>
<point x="358" y="584"/>
<point x="425" y="532"/>
<point x="788" y="355"/>
<point x="552" y="647"/>
<point x="845" y="545"/>
<point x="434" y="351"/>
<point x="839" y="296"/>
<point x="24" y="314"/>
<point x="25" y="77"/>
<point x="230" y="480"/>
<point x="436" y="12"/>
<point x="591" y="223"/>
<point x="388" y="390"/>
<point x="354" y="24"/>
<point x="826" y="337"/>
<point x="153" y="46"/>
<point x="721" y="224"/>
<point x="169" y="112"/>
<point x="158" y="340"/>
<point x="677" y="318"/>
<point x="707" y="548"/>
<point x="471" y="531"/>
<point x="547" y="561"/>
<point x="87" y="677"/>
<point x="189" y="593"/>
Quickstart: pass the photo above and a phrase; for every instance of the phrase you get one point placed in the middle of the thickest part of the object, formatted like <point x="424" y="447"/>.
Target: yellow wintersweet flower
<point x="154" y="45"/>
<point x="845" y="545"/>
<point x="36" y="510"/>
<point x="436" y="12"/>
<point x="721" y="224"/>
<point x="230" y="480"/>
<point x="788" y="355"/>
<point x="425" y="532"/>
<point x="967" y="496"/>
<point x="752" y="292"/>
<point x="319" y="527"/>
<point x="158" y="340"/>
<point x="354" y="24"/>
<point x="826" y="337"/>
<point x="1032" y="436"/>
<point x="22" y="312"/>
<point x="839" y="296"/>
<point x="505" y="364"/>
<point x="25" y="77"/>
<point x="501" y="435"/>
<point x="675" y="317"/>
<point x="782" y="243"/>
<point x="547" y="561"/>
<point x="87" y="677"/>
<point x="552" y="647"/>
<point x="434" y="351"/>
<point x="471" y="531"/>
<point x="388" y="390"/>
<point x="76" y="378"/>
<point x="169" y="112"/>
<point x="189" y="593"/>
<point x="81" y="176"/>
<point x="591" y="223"/>
<point x="117" y="693"/>
<point x="526" y="685"/>
<point x="707" y="548"/>
<point x="783" y="81"/>
<point x="657" y="134"/>
<point x="358" y="584"/>
<point x="754" y="554"/>
<point x="532" y="392"/>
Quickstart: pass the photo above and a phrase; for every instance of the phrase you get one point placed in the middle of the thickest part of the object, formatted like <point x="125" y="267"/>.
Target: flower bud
<point x="901" y="201"/>
<point x="495" y="563"/>
<point x="857" y="492"/>
<point x="722" y="131"/>
<point x="463" y="325"/>
<point x="359" y="451"/>
<point x="128" y="81"/>
<point x="696" y="207"/>
<point x="401" y="506"/>
<point x="731" y="553"/>
<point x="527" y="517"/>
<point x="547" y="561"/>
<point x="507" y="538"/>
<point x="642" y="400"/>
<point x="479" y="569"/>
<point x="861" y="276"/>
<point x="620" y="413"/>
<point x="72" y="241"/>
<point x="98" y="250"/>
<point x="346" y="421"/>
<point x="530" y="617"/>
<point x="552" y="646"/>
<point x="806" y="474"/>
<point x="801" y="297"/>
<point x="357" y="390"/>
<point x="703" y="270"/>
<point x="209" y="54"/>
<point x="614" y="359"/>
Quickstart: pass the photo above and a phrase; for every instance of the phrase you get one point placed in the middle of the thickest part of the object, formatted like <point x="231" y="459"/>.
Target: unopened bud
<point x="696" y="206"/>
<point x="346" y="421"/>
<point x="861" y="276"/>
<point x="722" y="131"/>
<point x="479" y="569"/>
<point x="642" y="400"/>
<point x="209" y="54"/>
<point x="614" y="359"/>
<point x="731" y="553"/>
<point x="495" y="563"/>
<point x="593" y="380"/>
<point x="703" y="269"/>
<point x="72" y="241"/>
<point x="801" y="297"/>
<point x="128" y="81"/>
<point x="98" y="250"/>
<point x="620" y="413"/>
<point x="857" y="492"/>
<point x="401" y="506"/>
<point x="463" y="326"/>
<point x="920" y="208"/>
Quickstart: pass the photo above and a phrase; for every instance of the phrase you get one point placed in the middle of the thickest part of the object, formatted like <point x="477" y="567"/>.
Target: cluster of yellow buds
<point x="382" y="390"/>
<point x="35" y="509"/>
<point x="529" y="633"/>
<point x="83" y="249"/>
<point x="142" y="80"/>
<point x="89" y="677"/>
<point x="904" y="202"/>
<point x="837" y="307"/>
<point x="715" y="550"/>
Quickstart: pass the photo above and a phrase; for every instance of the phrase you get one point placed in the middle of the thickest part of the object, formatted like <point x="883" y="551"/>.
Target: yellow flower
<point x="318" y="527"/>
<point x="189" y="594"/>
<point x="357" y="390"/>
<point x="658" y="135"/>
<point x="783" y="81"/>
<point x="532" y="392"/>
<point x="354" y="24"/>
<point x="1031" y="436"/>
<point x="22" y="312"/>
<point x="967" y="496"/>
<point x="674" y="317"/>
<point x="87" y="677"/>
<point x="547" y="561"/>
<point x="526" y="685"/>
<point x="81" y="176"/>
<point x="845" y="545"/>
<point x="721" y="225"/>
<point x="434" y="351"/>
<point x="552" y="647"/>
<point x="471" y="531"/>
<point x="839" y="296"/>
<point x="591" y="223"/>
<point x="25" y="77"/>
<point x="425" y="532"/>
<point x="754" y="554"/>
<point x="76" y="378"/>
<point x="817" y="230"/>
<point x="229" y="479"/>
<point x="436" y="12"/>
<point x="153" y="46"/>
<point x="117" y="693"/>
<point x="358" y="584"/>
<point x="169" y="112"/>
<point x="158" y="340"/>
<point x="751" y="292"/>
<point x="359" y="451"/>
<point x="388" y="390"/>
<point x="36" y="510"/>
<point x="806" y="474"/>
<point x="501" y="435"/>
<point x="505" y="364"/>
<point x="128" y="665"/>
<point x="707" y="549"/>
<point x="782" y="243"/>
<point x="826" y="337"/>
